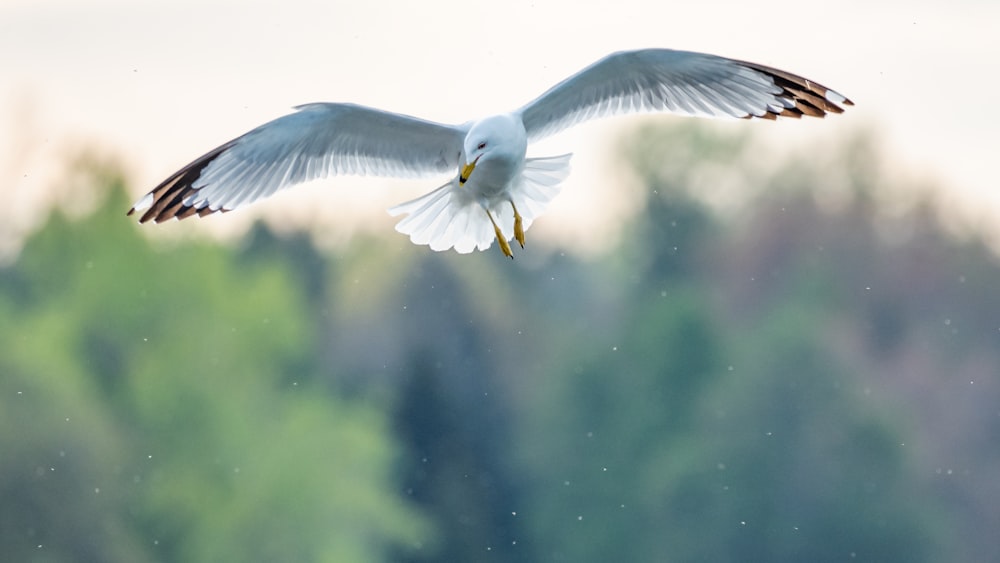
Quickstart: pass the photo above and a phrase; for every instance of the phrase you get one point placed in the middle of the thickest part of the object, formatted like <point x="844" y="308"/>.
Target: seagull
<point x="495" y="191"/>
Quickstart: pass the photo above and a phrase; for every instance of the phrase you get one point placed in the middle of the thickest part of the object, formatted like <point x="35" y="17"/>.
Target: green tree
<point x="710" y="419"/>
<point x="157" y="406"/>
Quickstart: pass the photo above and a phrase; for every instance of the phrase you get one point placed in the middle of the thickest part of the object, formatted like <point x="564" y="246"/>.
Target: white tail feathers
<point x="450" y="217"/>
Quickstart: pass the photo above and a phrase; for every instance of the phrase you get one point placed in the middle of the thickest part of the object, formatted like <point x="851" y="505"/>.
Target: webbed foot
<point x="518" y="225"/>
<point x="504" y="246"/>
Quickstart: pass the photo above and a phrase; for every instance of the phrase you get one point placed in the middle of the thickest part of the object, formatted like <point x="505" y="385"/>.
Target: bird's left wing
<point x="318" y="140"/>
<point x="680" y="82"/>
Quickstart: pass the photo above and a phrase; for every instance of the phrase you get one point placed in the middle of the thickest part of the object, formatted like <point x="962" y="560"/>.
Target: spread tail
<point x="448" y="218"/>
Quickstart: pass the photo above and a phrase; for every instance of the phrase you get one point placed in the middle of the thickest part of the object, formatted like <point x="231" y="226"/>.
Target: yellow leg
<point x="500" y="238"/>
<point x="518" y="225"/>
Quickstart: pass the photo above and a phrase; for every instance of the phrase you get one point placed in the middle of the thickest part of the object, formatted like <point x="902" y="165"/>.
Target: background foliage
<point x="808" y="375"/>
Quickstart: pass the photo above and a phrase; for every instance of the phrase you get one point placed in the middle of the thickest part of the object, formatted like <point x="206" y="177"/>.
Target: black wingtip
<point x="169" y="196"/>
<point x="808" y="98"/>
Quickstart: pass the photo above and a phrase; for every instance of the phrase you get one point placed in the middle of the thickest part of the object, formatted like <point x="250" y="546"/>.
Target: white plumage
<point x="496" y="191"/>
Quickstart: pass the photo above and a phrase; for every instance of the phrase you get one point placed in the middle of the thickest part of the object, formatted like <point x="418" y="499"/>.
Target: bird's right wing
<point x="679" y="82"/>
<point x="317" y="141"/>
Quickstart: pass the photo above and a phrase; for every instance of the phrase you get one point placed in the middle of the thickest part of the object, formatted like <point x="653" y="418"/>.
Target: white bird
<point x="496" y="192"/>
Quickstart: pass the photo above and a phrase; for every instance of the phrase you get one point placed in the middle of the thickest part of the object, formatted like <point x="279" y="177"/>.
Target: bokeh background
<point x="725" y="342"/>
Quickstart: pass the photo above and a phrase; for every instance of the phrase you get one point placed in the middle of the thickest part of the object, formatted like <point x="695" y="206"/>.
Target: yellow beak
<point x="463" y="176"/>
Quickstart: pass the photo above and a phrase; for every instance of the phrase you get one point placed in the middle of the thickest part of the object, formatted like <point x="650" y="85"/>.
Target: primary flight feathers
<point x="504" y="190"/>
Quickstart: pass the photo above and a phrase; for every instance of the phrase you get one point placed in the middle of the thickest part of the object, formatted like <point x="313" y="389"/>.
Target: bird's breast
<point x="493" y="179"/>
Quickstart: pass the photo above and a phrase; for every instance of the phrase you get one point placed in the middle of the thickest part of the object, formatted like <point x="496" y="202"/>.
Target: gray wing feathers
<point x="318" y="140"/>
<point x="679" y="82"/>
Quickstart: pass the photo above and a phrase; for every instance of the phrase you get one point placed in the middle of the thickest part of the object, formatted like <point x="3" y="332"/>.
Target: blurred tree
<point x="156" y="407"/>
<point x="776" y="364"/>
<point x="626" y="405"/>
<point x="701" y="427"/>
<point x="452" y="418"/>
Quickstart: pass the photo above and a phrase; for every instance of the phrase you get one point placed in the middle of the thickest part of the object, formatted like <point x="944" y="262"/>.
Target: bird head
<point x="477" y="144"/>
<point x="495" y="139"/>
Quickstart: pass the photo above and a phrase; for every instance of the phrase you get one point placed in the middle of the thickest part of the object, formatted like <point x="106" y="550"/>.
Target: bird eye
<point x="481" y="146"/>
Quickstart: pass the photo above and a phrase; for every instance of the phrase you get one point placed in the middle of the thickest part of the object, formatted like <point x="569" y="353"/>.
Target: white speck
<point x="579" y="518"/>
<point x="768" y="433"/>
<point x="97" y="490"/>
<point x="834" y="97"/>
<point x="743" y="523"/>
<point x="614" y="348"/>
<point x="513" y="513"/>
<point x="566" y="483"/>
<point x="144" y="203"/>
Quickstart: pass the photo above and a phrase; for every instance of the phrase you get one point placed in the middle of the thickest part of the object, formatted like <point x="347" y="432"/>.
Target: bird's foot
<point x="504" y="246"/>
<point x="518" y="225"/>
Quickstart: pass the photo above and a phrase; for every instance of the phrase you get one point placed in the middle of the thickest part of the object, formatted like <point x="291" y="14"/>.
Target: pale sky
<point x="157" y="83"/>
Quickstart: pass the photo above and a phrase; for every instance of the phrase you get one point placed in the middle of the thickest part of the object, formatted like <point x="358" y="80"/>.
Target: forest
<point x="807" y="374"/>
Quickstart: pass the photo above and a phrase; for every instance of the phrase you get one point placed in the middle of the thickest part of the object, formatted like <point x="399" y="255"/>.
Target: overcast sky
<point x="160" y="82"/>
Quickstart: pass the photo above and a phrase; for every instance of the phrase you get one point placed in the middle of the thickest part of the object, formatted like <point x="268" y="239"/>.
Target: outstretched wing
<point x="316" y="141"/>
<point x="678" y="82"/>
